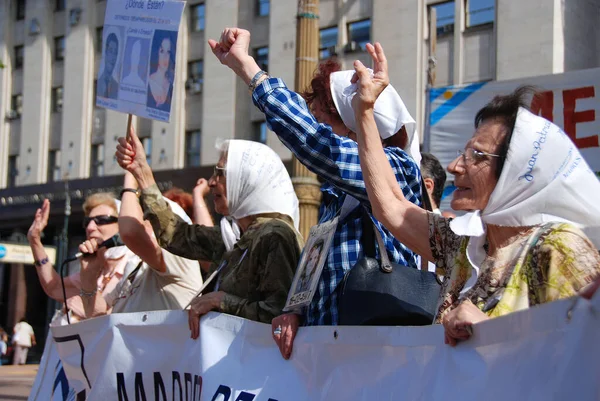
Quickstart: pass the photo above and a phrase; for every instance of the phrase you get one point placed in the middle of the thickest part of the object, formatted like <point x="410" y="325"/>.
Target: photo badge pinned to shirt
<point x="313" y="259"/>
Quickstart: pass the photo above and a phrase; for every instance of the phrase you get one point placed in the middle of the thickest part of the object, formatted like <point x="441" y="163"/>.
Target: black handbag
<point x="386" y="294"/>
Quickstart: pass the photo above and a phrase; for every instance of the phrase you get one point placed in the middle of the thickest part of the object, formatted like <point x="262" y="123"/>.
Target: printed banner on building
<point x="546" y="353"/>
<point x="139" y="45"/>
<point x="570" y="100"/>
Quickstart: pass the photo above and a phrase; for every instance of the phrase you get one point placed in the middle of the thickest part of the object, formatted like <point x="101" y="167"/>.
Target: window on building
<point x="57" y="99"/>
<point x="97" y="161"/>
<point x="19" y="56"/>
<point x="480" y="12"/>
<point x="192" y="146"/>
<point x="261" y="55"/>
<point x="53" y="166"/>
<point x="328" y="38"/>
<point x="195" y="76"/>
<point x="197" y="17"/>
<point x="444" y="17"/>
<point x="99" y="33"/>
<point x="60" y="5"/>
<point x="263" y="7"/>
<point x="196" y="70"/>
<point x="12" y="171"/>
<point x="359" y="34"/>
<point x="147" y="142"/>
<point x="16" y="105"/>
<point x="20" y="10"/>
<point x="59" y="48"/>
<point x="260" y="131"/>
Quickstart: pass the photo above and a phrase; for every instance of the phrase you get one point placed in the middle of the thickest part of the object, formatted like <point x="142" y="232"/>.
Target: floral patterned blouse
<point x="525" y="273"/>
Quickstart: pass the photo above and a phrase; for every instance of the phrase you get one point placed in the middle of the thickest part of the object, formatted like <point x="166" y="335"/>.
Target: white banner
<point x="51" y="383"/>
<point x="571" y="100"/>
<point x="139" y="46"/>
<point x="546" y="353"/>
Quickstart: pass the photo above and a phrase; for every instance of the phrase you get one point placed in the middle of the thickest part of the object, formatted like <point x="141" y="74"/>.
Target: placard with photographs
<point x="311" y="265"/>
<point x="139" y="46"/>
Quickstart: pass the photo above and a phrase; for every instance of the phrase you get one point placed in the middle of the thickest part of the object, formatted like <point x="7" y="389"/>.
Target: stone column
<point x="307" y="58"/>
<point x="78" y="89"/>
<point x="37" y="83"/>
<point x="6" y="85"/>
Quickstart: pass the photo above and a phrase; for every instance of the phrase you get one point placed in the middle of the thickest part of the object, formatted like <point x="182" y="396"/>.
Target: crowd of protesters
<point x="528" y="233"/>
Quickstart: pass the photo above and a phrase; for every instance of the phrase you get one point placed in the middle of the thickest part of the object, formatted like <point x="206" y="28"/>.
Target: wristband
<point x="41" y="262"/>
<point x="132" y="190"/>
<point x="85" y="294"/>
<point x="255" y="79"/>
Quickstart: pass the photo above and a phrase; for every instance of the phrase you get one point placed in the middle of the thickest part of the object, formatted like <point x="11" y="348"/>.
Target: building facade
<point x="51" y="130"/>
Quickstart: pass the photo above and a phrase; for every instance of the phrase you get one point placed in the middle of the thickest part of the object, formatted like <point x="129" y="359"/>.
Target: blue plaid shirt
<point x="335" y="159"/>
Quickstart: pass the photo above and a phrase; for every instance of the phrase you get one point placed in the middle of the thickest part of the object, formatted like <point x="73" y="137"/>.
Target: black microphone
<point x="113" y="241"/>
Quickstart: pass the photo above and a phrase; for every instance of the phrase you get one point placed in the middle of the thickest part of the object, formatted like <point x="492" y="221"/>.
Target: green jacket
<point x="256" y="284"/>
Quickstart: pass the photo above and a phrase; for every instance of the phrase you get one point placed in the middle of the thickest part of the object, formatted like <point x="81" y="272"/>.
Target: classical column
<point x="307" y="58"/>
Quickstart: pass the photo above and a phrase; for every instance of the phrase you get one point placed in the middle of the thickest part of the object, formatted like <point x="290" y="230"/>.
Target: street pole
<point x="307" y="58"/>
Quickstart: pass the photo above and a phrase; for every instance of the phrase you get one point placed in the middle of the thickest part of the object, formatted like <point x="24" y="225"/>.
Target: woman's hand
<point x="201" y="190"/>
<point x="201" y="306"/>
<point x="284" y="329"/>
<point x="92" y="264"/>
<point x="370" y="86"/>
<point x="131" y="156"/>
<point x="459" y="321"/>
<point x="232" y="51"/>
<point x="40" y="221"/>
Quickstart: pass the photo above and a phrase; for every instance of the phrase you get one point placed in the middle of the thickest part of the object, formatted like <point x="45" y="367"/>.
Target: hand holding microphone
<point x="91" y="246"/>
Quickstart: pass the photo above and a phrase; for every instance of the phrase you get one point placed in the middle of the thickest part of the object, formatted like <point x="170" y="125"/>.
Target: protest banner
<point x="548" y="352"/>
<point x="570" y="100"/>
<point x="139" y="46"/>
<point x="51" y="383"/>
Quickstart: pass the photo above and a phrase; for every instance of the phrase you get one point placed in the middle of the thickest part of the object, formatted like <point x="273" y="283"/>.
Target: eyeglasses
<point x="100" y="220"/>
<point x="219" y="172"/>
<point x="475" y="155"/>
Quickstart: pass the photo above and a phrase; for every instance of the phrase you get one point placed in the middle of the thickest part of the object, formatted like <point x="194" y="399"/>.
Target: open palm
<point x="370" y="85"/>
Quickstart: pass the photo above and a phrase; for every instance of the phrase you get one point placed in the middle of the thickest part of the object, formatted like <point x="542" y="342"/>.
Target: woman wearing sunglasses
<point x="255" y="250"/>
<point x="529" y="197"/>
<point x="100" y="224"/>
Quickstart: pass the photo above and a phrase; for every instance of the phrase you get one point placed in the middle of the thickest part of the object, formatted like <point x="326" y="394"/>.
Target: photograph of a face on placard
<point x="310" y="267"/>
<point x="110" y="67"/>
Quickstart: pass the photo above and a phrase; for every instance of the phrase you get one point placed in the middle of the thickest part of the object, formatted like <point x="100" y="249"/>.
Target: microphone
<point x="113" y="241"/>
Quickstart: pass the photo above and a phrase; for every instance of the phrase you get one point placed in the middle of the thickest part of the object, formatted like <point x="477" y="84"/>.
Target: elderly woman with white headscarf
<point x="530" y="197"/>
<point x="257" y="247"/>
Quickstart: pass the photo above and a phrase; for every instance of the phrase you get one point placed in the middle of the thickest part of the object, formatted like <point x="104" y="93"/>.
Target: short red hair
<point x="182" y="198"/>
<point x="320" y="90"/>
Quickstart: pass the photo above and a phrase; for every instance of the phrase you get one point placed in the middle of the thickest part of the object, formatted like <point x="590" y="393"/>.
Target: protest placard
<point x="139" y="46"/>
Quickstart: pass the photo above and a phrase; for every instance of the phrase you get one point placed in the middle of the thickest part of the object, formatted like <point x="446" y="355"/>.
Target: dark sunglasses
<point x="100" y="220"/>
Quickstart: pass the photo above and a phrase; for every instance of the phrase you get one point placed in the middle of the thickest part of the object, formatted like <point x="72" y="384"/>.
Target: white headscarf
<point x="390" y="112"/>
<point x="544" y="179"/>
<point x="257" y="182"/>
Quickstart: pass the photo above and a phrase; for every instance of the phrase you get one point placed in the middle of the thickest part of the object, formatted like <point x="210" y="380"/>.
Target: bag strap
<point x="370" y="230"/>
<point x="368" y="236"/>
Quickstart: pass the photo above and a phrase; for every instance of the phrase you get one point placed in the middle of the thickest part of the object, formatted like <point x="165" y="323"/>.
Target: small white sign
<point x="139" y="45"/>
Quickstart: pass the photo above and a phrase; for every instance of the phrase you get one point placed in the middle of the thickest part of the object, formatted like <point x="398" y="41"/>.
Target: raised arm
<point x="49" y="278"/>
<point x="133" y="229"/>
<point x="405" y="220"/>
<point x="315" y="145"/>
<point x="172" y="233"/>
<point x="201" y="214"/>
